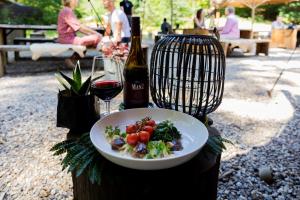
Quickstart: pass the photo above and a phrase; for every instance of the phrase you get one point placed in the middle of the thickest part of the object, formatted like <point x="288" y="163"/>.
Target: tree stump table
<point x="195" y="178"/>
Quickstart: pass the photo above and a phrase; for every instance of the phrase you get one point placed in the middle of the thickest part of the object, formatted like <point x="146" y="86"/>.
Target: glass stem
<point x="99" y="103"/>
<point x="107" y="104"/>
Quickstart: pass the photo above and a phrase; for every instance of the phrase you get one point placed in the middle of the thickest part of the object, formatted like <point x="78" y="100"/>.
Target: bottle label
<point x="136" y="94"/>
<point x="137" y="86"/>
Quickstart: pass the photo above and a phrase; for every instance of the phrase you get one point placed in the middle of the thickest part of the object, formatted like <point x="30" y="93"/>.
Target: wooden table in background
<point x="7" y="29"/>
<point x="284" y="38"/>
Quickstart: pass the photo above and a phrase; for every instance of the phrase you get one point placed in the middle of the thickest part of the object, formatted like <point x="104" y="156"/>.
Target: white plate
<point x="194" y="136"/>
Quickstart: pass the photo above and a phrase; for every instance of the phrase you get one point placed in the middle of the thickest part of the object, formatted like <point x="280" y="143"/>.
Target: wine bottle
<point x="136" y="75"/>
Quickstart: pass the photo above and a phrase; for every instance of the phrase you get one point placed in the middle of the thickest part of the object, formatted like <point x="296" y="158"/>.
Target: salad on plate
<point x="145" y="139"/>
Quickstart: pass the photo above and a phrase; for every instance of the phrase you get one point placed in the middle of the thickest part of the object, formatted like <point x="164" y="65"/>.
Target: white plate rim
<point x="119" y="156"/>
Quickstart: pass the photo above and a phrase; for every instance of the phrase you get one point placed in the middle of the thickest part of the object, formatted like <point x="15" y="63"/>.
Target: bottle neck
<point x="136" y="56"/>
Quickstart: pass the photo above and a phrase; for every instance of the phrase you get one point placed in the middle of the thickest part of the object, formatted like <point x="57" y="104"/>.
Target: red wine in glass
<point x="106" y="89"/>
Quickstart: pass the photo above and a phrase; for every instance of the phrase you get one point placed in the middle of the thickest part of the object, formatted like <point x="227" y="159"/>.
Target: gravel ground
<point x="265" y="132"/>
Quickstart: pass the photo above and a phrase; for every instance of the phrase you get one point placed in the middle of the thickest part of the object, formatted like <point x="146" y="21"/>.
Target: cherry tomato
<point x="132" y="138"/>
<point x="144" y="136"/>
<point x="151" y="122"/>
<point x="131" y="128"/>
<point x="148" y="129"/>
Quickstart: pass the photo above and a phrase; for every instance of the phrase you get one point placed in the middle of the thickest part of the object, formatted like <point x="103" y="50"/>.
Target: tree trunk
<point x="253" y="20"/>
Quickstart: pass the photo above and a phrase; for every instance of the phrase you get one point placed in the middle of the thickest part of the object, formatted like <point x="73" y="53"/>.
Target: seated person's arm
<point x="228" y="27"/>
<point x="118" y="32"/>
<point x="107" y="30"/>
<point x="86" y="30"/>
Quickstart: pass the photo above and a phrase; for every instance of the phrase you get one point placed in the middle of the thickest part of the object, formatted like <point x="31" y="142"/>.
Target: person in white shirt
<point x="278" y="24"/>
<point x="117" y="23"/>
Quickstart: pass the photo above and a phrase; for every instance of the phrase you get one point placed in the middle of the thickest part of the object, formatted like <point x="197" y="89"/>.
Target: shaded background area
<point x="15" y="13"/>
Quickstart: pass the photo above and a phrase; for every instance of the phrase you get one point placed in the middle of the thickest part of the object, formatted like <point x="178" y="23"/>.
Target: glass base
<point x="121" y="106"/>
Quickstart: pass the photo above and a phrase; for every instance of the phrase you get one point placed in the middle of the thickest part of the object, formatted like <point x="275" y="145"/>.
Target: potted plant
<point x="76" y="108"/>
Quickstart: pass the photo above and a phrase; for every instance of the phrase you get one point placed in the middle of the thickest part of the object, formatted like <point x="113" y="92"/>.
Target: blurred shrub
<point x="49" y="9"/>
<point x="291" y="12"/>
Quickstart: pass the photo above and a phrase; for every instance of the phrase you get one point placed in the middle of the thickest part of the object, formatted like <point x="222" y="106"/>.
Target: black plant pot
<point x="77" y="113"/>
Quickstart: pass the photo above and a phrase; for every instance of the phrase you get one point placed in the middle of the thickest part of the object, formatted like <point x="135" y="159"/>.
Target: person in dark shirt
<point x="127" y="6"/>
<point x="166" y="27"/>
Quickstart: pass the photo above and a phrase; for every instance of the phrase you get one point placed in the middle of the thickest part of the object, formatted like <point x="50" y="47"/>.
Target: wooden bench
<point x="262" y="45"/>
<point x="6" y="48"/>
<point x="32" y="40"/>
<point x="19" y="40"/>
<point x="18" y="48"/>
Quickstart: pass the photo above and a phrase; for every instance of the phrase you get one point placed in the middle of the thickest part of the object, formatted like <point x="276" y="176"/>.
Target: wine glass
<point x="107" y="79"/>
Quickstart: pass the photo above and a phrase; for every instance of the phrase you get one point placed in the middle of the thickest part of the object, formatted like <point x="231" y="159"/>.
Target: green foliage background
<point x="291" y="12"/>
<point x="153" y="11"/>
<point x="49" y="9"/>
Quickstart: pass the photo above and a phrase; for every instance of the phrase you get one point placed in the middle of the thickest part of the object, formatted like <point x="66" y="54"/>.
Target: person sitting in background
<point x="231" y="28"/>
<point x="68" y="25"/>
<point x="118" y="23"/>
<point x="199" y="19"/>
<point x="278" y="24"/>
<point x="166" y="27"/>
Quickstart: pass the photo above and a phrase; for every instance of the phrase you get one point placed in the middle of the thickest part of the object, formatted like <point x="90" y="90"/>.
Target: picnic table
<point x="262" y="45"/>
<point x="7" y="29"/>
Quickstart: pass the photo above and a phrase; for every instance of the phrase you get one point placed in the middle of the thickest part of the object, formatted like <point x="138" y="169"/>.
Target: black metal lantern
<point x="187" y="74"/>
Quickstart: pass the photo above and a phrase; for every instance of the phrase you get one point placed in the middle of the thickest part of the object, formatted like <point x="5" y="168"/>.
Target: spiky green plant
<point x="74" y="86"/>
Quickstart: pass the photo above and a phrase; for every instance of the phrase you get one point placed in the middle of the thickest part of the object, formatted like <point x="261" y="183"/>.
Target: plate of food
<point x="148" y="138"/>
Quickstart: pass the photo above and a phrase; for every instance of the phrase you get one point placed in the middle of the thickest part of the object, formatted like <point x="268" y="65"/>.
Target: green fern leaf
<point x="77" y="158"/>
<point x="83" y="165"/>
<point x="95" y="173"/>
<point x="64" y="148"/>
<point x="218" y="141"/>
<point x="100" y="167"/>
<point x="85" y="139"/>
<point x="213" y="146"/>
<point x="63" y="145"/>
<point x="71" y="153"/>
<point x="227" y="141"/>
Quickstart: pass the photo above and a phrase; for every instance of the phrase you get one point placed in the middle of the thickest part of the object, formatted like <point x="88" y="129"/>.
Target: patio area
<point x="265" y="132"/>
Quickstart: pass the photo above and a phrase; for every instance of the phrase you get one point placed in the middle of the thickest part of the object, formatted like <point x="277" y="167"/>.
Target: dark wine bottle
<point x="136" y="75"/>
